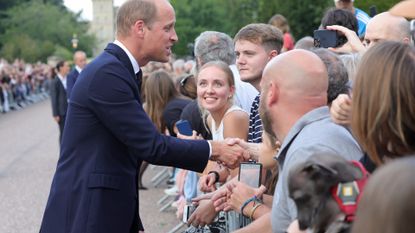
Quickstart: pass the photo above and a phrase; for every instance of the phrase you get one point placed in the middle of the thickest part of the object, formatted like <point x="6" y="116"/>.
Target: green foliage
<point x="6" y="4"/>
<point x="304" y="16"/>
<point x="35" y="30"/>
<point x="196" y="16"/>
<point x="381" y="5"/>
<point x="25" y="47"/>
<point x="63" y="53"/>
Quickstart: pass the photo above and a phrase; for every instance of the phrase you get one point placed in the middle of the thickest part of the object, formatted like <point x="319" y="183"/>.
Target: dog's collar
<point x="347" y="195"/>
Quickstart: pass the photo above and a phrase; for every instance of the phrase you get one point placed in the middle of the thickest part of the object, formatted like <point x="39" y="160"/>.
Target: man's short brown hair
<point x="134" y="10"/>
<point x="266" y="35"/>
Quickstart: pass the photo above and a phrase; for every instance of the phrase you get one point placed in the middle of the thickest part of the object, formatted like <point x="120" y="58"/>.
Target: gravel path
<point x="28" y="156"/>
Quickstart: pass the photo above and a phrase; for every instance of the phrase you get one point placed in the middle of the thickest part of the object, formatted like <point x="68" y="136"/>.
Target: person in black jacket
<point x="58" y="95"/>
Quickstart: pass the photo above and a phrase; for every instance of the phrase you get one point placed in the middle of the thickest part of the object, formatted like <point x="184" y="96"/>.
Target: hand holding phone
<point x="250" y="173"/>
<point x="326" y="38"/>
<point x="187" y="212"/>
<point x="184" y="127"/>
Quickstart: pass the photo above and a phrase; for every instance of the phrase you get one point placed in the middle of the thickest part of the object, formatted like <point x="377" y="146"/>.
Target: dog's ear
<point x="334" y="167"/>
<point x="338" y="172"/>
<point x="347" y="172"/>
<point x="316" y="171"/>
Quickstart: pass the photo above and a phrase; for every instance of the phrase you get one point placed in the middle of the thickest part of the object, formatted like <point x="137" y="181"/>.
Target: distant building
<point x="103" y="23"/>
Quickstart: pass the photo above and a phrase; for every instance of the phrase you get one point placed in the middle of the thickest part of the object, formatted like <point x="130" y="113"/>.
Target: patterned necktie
<point x="139" y="77"/>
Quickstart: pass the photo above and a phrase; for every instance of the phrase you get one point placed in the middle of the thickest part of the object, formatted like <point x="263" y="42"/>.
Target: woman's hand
<point x="341" y="110"/>
<point x="207" y="182"/>
<point x="194" y="136"/>
<point x="241" y="192"/>
<point x="204" y="214"/>
<point x="353" y="45"/>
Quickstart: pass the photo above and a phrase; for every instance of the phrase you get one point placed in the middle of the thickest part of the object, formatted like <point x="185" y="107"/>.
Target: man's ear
<point x="273" y="93"/>
<point x="407" y="40"/>
<point x="139" y="28"/>
<point x="272" y="53"/>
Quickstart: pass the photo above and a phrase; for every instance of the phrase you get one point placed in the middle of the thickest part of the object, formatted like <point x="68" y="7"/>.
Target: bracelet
<point x="252" y="199"/>
<point x="217" y="176"/>
<point x="253" y="210"/>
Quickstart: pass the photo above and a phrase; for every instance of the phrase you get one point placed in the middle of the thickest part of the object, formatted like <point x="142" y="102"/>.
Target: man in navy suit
<point x="58" y="95"/>
<point x="107" y="134"/>
<point x="79" y="59"/>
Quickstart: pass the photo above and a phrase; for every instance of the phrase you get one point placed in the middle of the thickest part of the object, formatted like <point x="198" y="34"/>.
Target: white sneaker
<point x="173" y="191"/>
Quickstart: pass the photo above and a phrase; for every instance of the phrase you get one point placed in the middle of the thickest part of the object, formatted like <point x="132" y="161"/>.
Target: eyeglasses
<point x="183" y="81"/>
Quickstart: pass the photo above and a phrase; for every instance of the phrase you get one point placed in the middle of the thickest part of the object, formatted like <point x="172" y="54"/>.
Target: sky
<point x="86" y="6"/>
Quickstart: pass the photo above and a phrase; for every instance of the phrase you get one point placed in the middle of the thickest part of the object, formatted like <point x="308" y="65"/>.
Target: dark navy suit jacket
<point x="70" y="81"/>
<point x="58" y="97"/>
<point x="107" y="136"/>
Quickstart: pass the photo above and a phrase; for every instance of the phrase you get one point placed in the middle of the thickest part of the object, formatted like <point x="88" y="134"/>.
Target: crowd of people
<point x="310" y="117"/>
<point x="257" y="97"/>
<point x="22" y="84"/>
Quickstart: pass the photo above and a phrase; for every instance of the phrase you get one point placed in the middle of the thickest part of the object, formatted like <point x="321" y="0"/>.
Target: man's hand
<point x="341" y="109"/>
<point x="353" y="45"/>
<point x="204" y="214"/>
<point x="228" y="152"/>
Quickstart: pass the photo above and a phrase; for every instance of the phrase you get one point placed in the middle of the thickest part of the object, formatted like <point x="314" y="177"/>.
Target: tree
<point x="6" y="4"/>
<point x="381" y="5"/>
<point x="228" y="16"/>
<point x="35" y="30"/>
<point x="194" y="17"/>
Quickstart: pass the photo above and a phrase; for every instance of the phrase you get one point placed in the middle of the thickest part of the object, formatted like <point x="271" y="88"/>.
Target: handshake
<point x="229" y="152"/>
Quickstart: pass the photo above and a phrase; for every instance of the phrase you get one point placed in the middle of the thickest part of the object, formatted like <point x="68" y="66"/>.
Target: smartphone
<point x="250" y="173"/>
<point x="187" y="212"/>
<point x="326" y="38"/>
<point x="184" y="127"/>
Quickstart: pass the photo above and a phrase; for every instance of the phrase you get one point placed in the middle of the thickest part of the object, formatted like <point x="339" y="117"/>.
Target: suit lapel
<point x="116" y="51"/>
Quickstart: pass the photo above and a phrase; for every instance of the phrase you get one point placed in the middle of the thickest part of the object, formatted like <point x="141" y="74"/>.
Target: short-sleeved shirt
<point x="314" y="133"/>
<point x="362" y="20"/>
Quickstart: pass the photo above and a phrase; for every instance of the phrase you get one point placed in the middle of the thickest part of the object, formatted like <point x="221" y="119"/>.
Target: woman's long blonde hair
<point x="383" y="114"/>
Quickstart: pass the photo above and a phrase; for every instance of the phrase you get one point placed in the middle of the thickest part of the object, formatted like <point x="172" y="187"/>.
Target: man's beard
<point x="265" y="117"/>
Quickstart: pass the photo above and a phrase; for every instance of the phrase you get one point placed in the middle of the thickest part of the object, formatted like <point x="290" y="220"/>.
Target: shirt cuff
<point x="210" y="149"/>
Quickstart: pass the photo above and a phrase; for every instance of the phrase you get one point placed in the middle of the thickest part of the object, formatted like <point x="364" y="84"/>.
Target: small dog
<point x="326" y="193"/>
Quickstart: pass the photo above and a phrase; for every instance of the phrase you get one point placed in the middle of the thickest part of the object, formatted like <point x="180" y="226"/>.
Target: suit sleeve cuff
<point x="210" y="149"/>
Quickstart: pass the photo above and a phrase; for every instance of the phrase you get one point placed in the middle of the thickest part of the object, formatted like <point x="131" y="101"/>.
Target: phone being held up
<point x="250" y="173"/>
<point x="326" y="38"/>
<point x="184" y="127"/>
